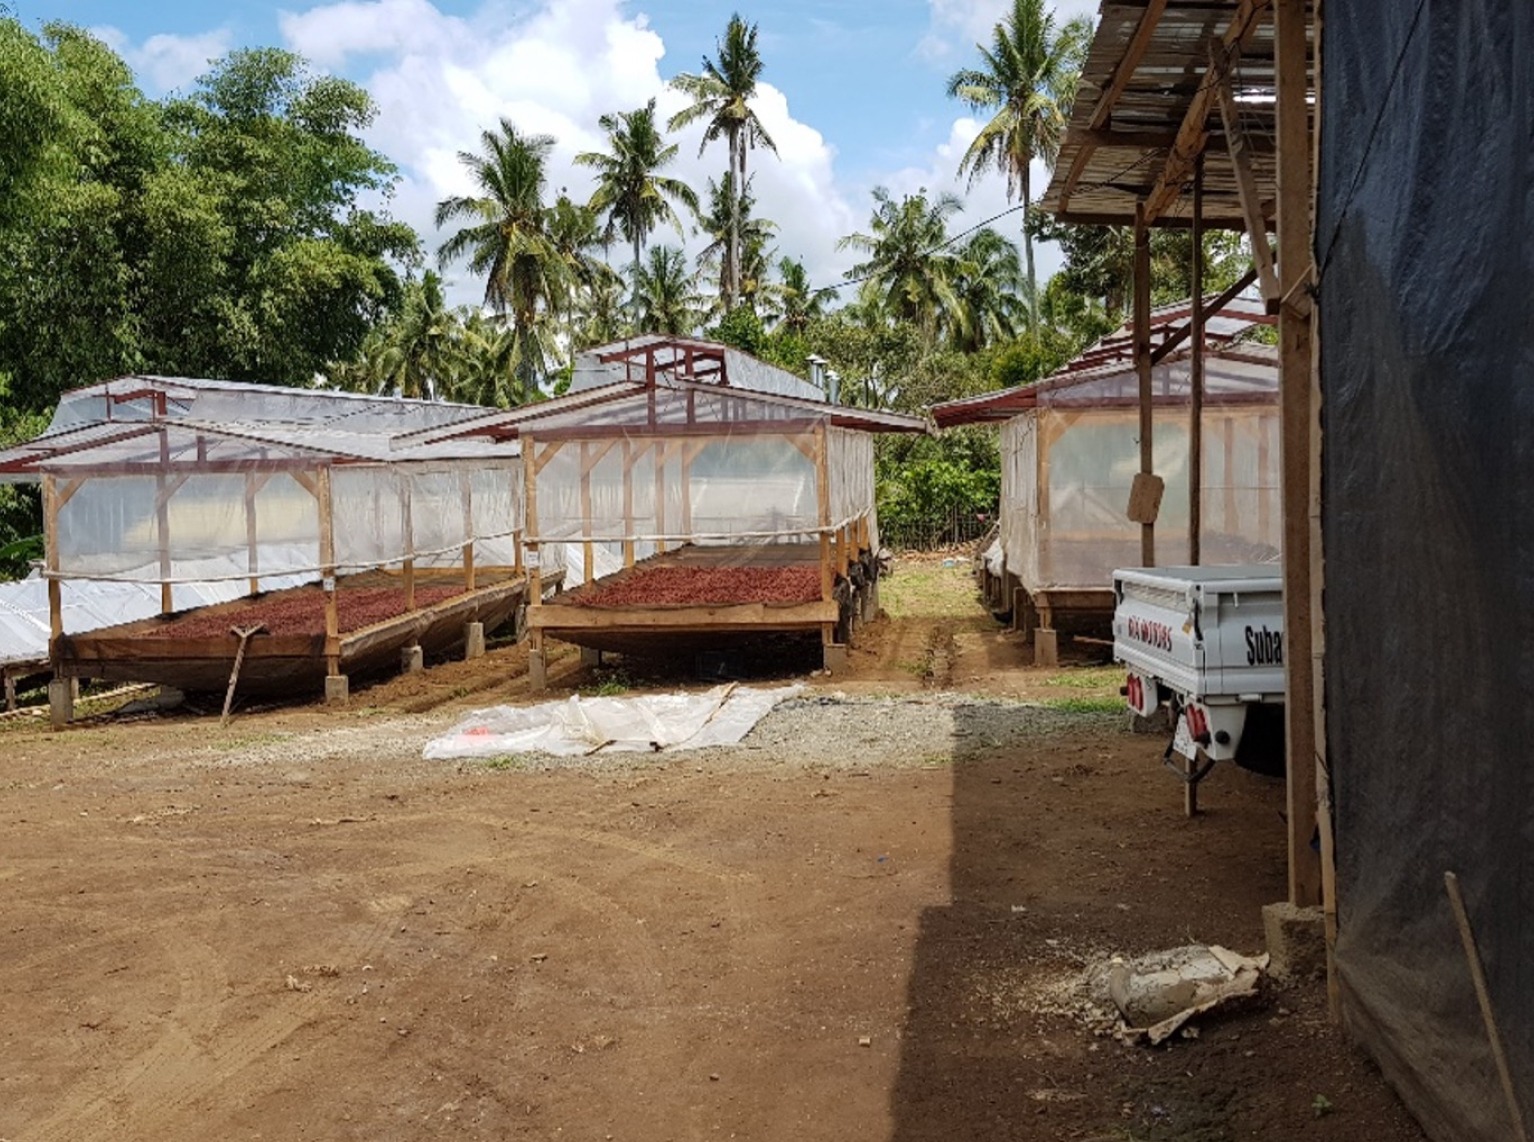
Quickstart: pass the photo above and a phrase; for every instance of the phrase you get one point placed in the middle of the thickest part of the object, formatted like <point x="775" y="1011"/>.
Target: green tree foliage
<point x="907" y="275"/>
<point x="721" y="98"/>
<point x="1027" y="80"/>
<point x="725" y="209"/>
<point x="635" y="197"/>
<point x="508" y="240"/>
<point x="223" y="233"/>
<point x="665" y="296"/>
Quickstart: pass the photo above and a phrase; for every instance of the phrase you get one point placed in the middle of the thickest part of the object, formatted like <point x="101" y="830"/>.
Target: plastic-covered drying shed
<point x="713" y="498"/>
<point x="1070" y="454"/>
<point x="173" y="482"/>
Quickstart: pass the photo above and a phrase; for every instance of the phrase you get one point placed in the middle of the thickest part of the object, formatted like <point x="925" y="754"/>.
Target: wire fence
<point x="935" y="533"/>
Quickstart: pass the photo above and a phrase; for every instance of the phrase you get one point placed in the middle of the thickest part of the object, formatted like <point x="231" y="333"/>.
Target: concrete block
<point x="835" y="656"/>
<point x="1296" y="941"/>
<point x="412" y="660"/>
<point x="337" y="690"/>
<point x="473" y="641"/>
<point x="537" y="671"/>
<point x="590" y="656"/>
<point x="1046" y="647"/>
<point x="61" y="702"/>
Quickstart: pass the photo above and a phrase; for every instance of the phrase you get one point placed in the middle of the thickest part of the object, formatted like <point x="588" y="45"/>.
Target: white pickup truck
<point x="1209" y="643"/>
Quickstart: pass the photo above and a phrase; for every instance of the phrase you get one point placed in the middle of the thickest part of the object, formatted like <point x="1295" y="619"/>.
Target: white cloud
<point x="440" y="80"/>
<point x="958" y="25"/>
<point x="165" y="62"/>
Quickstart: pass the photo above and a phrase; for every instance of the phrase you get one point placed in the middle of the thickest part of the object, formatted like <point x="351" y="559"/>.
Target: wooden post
<point x="466" y="493"/>
<point x="660" y="493"/>
<point x="530" y="521"/>
<point x="1196" y="378"/>
<point x="407" y="511"/>
<point x="162" y="523"/>
<point x="1294" y="262"/>
<point x="588" y="556"/>
<point x="689" y="453"/>
<point x="253" y="560"/>
<point x="328" y="574"/>
<point x="628" y="501"/>
<point x="51" y="508"/>
<point x="1143" y="368"/>
<point x="823" y="493"/>
<point x="1228" y="470"/>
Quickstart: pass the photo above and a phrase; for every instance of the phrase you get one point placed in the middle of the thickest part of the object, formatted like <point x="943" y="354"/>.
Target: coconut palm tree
<point x="507" y="240"/>
<point x="794" y="304"/>
<point x="665" y="298"/>
<point x="755" y="234"/>
<point x="908" y="274"/>
<point x="990" y="288"/>
<point x="578" y="237"/>
<point x="1028" y="78"/>
<point x="721" y="95"/>
<point x="631" y="192"/>
<point x="416" y="354"/>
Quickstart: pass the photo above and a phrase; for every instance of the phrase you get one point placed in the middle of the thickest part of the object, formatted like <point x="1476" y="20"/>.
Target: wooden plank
<point x="1196" y="379"/>
<point x="67" y="490"/>
<point x="723" y="616"/>
<point x="407" y="512"/>
<point x="530" y="513"/>
<point x="252" y="557"/>
<point x="51" y="562"/>
<point x="1180" y="334"/>
<point x="328" y="572"/>
<point x="1102" y="113"/>
<point x="660" y="492"/>
<point x="689" y="453"/>
<point x="588" y="556"/>
<point x="1246" y="184"/>
<point x="551" y="451"/>
<point x="466" y="494"/>
<point x="1294" y="347"/>
<point x="629" y="455"/>
<point x="1192" y="133"/>
<point x="823" y="494"/>
<point x="1142" y="310"/>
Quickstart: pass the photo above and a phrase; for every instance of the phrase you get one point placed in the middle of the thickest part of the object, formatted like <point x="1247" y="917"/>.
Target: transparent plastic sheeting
<point x="111" y="528"/>
<point x="88" y="606"/>
<point x="723" y="487"/>
<point x="1066" y="477"/>
<point x="582" y="726"/>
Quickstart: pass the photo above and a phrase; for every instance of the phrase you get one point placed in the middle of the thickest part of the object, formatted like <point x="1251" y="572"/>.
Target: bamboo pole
<point x="162" y="524"/>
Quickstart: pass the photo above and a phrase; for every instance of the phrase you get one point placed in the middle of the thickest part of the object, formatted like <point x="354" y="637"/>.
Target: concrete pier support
<point x="473" y="641"/>
<point x="337" y="690"/>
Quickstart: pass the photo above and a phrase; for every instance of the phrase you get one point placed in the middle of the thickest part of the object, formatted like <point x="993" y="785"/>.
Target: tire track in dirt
<point x="156" y="1093"/>
<point x="144" y="1097"/>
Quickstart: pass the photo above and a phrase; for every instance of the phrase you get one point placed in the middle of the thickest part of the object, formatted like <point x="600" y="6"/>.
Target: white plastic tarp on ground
<point x="579" y="725"/>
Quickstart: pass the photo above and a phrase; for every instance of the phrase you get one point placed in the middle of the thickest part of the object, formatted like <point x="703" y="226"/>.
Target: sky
<point x="852" y="91"/>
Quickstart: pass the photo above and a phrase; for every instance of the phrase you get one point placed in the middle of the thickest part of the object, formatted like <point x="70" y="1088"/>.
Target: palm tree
<point x="755" y="234"/>
<point x="989" y="286"/>
<point x="721" y="94"/>
<point x="507" y="240"/>
<point x="634" y="197"/>
<point x="908" y="275"/>
<point x="578" y="236"/>
<point x="665" y="300"/>
<point x="1028" y="77"/>
<point x="416" y="354"/>
<point x="794" y="303"/>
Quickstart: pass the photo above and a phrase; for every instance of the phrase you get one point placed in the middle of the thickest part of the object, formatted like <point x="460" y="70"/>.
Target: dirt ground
<point x="841" y="929"/>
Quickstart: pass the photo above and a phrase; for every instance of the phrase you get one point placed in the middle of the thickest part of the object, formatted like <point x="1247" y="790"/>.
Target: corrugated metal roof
<point x="236" y="426"/>
<point x="1092" y="373"/>
<point x="1113" y="153"/>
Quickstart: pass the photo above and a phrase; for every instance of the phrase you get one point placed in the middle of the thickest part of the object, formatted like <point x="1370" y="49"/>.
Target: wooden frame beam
<point x="1193" y="134"/>
<point x="1143" y="368"/>
<point x="1246" y="184"/>
<point x="1178" y="336"/>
